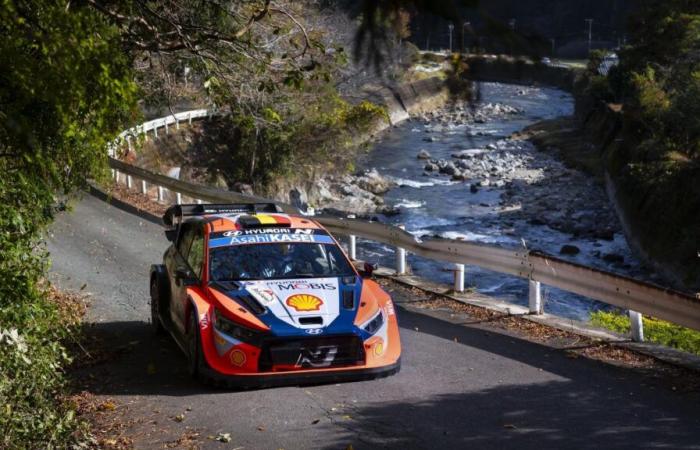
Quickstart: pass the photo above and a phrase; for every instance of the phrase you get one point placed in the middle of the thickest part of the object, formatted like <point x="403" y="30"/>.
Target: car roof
<point x="228" y="222"/>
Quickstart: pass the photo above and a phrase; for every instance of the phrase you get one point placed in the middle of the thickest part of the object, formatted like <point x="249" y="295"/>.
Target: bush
<point x="655" y="330"/>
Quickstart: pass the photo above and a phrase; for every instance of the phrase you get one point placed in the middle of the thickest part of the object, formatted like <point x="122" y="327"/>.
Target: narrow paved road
<point x="460" y="386"/>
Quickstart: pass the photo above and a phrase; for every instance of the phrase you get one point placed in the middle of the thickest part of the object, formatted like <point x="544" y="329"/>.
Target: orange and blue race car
<point x="258" y="298"/>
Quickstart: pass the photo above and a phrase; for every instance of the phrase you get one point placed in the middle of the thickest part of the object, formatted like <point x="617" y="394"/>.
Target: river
<point x="530" y="197"/>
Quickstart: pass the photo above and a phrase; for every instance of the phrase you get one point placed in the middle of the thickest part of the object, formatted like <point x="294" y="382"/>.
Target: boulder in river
<point x="449" y="168"/>
<point x="431" y="167"/>
<point x="423" y="154"/>
<point x="373" y="182"/>
<point x="568" y="249"/>
<point x="613" y="258"/>
<point x="473" y="188"/>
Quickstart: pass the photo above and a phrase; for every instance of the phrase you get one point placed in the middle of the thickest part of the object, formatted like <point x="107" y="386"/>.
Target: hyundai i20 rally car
<point x="259" y="298"/>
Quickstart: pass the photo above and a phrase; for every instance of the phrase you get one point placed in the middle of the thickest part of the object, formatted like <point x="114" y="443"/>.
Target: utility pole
<point x="450" y="27"/>
<point x="590" y="33"/>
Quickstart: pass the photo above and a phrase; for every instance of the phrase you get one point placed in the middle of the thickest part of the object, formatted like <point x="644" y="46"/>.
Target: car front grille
<point x="311" y="353"/>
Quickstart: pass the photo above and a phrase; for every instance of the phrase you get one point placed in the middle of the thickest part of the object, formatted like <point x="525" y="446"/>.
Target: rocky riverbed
<point x="466" y="173"/>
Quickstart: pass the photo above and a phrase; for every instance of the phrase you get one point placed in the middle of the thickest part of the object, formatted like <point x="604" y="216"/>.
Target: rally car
<point x="257" y="298"/>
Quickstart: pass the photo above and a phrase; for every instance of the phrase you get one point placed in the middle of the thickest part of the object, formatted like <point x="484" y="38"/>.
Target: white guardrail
<point x="636" y="296"/>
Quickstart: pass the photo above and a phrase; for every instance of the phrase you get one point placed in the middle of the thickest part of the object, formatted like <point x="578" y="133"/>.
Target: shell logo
<point x="304" y="302"/>
<point x="238" y="358"/>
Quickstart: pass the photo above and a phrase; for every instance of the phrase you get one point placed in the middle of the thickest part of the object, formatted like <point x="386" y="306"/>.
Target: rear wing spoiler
<point x="174" y="215"/>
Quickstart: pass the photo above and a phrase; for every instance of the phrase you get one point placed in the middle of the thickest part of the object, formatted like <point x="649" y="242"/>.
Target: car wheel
<point x="194" y="346"/>
<point x="156" y="322"/>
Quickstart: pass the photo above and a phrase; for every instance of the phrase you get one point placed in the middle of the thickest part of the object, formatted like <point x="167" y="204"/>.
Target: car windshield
<point x="275" y="261"/>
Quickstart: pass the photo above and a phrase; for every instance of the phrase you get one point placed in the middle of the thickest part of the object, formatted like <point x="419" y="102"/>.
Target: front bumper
<point x="297" y="378"/>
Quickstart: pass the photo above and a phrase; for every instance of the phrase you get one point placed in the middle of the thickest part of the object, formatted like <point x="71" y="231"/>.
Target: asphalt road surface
<point x="459" y="387"/>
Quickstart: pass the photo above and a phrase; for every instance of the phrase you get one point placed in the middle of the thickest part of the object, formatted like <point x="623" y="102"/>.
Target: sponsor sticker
<point x="389" y="308"/>
<point x="304" y="302"/>
<point x="271" y="238"/>
<point x="304" y="286"/>
<point x="314" y="331"/>
<point x="238" y="358"/>
<point x="262" y="294"/>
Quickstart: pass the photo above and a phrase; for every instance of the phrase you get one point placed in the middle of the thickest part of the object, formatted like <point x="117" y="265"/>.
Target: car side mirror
<point x="368" y="269"/>
<point x="170" y="235"/>
<point x="184" y="277"/>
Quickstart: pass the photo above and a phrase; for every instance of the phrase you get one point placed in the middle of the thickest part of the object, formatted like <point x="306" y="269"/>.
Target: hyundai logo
<point x="314" y="331"/>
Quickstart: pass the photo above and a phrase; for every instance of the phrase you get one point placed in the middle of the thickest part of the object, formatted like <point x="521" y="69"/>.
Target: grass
<point x="657" y="331"/>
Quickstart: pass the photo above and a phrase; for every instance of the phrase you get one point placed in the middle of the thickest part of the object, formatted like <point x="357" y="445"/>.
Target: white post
<point x="144" y="187"/>
<point x="116" y="176"/>
<point x="459" y="277"/>
<point x="155" y="132"/>
<point x="178" y="197"/>
<point x="160" y="193"/>
<point x="637" y="326"/>
<point x="166" y="126"/>
<point x="177" y="123"/>
<point x="199" y="201"/>
<point x="128" y="181"/>
<point x="352" y="245"/>
<point x="536" y="306"/>
<point x="189" y="118"/>
<point x="401" y="258"/>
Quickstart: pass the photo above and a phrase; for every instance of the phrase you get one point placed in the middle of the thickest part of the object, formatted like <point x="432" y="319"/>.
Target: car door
<point x="178" y="261"/>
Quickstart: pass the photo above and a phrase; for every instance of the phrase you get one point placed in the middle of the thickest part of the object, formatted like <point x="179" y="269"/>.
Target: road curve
<point x="460" y="386"/>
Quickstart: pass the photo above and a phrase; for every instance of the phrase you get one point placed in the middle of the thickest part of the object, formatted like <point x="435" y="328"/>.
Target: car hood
<point x="311" y="305"/>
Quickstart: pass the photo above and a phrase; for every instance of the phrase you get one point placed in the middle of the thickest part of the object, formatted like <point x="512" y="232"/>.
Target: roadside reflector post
<point x="637" y="326"/>
<point x="352" y="244"/>
<point x="128" y="181"/>
<point x="144" y="187"/>
<point x="178" y="198"/>
<point x="535" y="298"/>
<point x="160" y="193"/>
<point x="401" y="258"/>
<point x="459" y="277"/>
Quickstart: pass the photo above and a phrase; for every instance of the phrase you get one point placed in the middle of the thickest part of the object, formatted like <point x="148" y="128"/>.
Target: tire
<point x="194" y="346"/>
<point x="156" y="322"/>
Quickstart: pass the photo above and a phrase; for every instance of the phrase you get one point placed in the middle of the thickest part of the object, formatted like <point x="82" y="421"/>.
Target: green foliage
<point x="655" y="330"/>
<point x="65" y="89"/>
<point x="322" y="136"/>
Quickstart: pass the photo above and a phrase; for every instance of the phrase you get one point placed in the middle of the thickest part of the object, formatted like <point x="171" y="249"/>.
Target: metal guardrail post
<point x="189" y="118"/>
<point x="167" y="130"/>
<point x="637" y="326"/>
<point x="128" y="181"/>
<point x="114" y="174"/>
<point x="178" y="198"/>
<point x="177" y="123"/>
<point x="144" y="187"/>
<point x="535" y="298"/>
<point x="401" y="258"/>
<point x="352" y="243"/>
<point x="155" y="132"/>
<point x="459" y="277"/>
<point x="160" y="193"/>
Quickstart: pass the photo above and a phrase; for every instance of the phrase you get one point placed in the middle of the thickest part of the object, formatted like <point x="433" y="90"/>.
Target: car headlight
<point x="236" y="331"/>
<point x="375" y="323"/>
